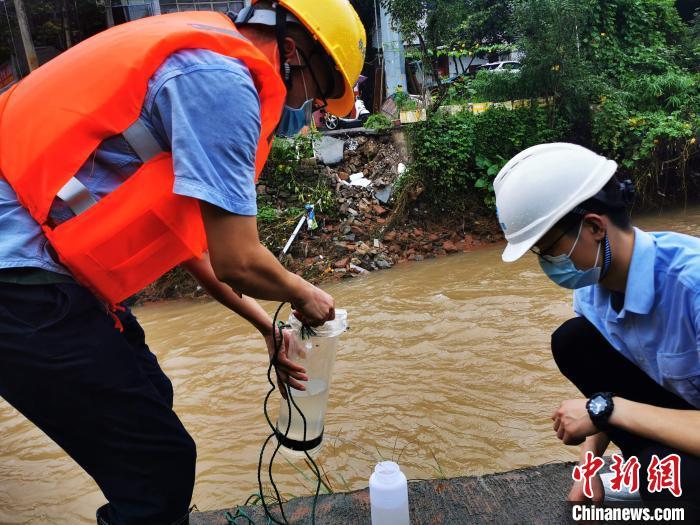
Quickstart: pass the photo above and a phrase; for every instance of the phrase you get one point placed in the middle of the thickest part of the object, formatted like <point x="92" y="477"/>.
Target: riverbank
<point x="528" y="495"/>
<point x="361" y="226"/>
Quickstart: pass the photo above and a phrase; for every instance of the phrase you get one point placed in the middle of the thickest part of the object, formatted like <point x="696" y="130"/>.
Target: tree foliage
<point x="621" y="77"/>
<point x="455" y="27"/>
<point x="457" y="157"/>
<point x="55" y="23"/>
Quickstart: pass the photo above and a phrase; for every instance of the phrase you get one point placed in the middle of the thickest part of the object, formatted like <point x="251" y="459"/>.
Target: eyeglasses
<point x="541" y="253"/>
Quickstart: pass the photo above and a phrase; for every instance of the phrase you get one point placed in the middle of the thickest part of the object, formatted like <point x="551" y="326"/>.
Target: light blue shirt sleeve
<point x="208" y="108"/>
<point x="697" y="320"/>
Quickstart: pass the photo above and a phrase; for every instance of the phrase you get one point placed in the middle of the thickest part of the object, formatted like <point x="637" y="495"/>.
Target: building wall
<point x="392" y="46"/>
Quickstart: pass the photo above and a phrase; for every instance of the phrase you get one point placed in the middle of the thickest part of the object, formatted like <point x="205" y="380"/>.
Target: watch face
<point x="598" y="405"/>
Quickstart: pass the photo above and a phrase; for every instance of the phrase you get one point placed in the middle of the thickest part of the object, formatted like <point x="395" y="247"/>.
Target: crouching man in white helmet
<point x="634" y="348"/>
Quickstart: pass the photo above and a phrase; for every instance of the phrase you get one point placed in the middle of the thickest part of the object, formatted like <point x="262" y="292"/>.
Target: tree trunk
<point x="27" y="43"/>
<point x="433" y="65"/>
<point x="65" y="23"/>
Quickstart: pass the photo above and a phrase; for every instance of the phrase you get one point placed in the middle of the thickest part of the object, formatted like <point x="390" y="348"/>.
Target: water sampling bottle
<point x="316" y="353"/>
<point x="388" y="495"/>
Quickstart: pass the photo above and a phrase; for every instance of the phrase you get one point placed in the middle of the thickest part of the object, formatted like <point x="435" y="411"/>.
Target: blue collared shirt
<point x="658" y="328"/>
<point x="200" y="105"/>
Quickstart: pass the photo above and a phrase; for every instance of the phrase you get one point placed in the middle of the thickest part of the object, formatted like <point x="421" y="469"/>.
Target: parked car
<point x="509" y="66"/>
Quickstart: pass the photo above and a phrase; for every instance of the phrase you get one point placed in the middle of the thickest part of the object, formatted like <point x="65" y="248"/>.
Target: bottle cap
<point x="388" y="473"/>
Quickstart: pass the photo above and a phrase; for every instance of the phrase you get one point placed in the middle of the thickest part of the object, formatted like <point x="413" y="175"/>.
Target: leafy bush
<point x="378" y="122"/>
<point x="267" y="214"/>
<point x="620" y="73"/>
<point x="291" y="168"/>
<point x="457" y="157"/>
<point x="404" y="102"/>
<point x="621" y="77"/>
<point x="461" y="91"/>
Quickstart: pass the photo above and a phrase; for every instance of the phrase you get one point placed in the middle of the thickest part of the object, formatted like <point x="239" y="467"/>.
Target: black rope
<point x="278" y="339"/>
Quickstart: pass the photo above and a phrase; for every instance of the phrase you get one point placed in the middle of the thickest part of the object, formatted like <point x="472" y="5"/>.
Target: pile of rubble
<point x="357" y="241"/>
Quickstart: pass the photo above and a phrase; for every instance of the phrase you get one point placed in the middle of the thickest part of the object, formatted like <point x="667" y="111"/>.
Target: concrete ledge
<point x="528" y="495"/>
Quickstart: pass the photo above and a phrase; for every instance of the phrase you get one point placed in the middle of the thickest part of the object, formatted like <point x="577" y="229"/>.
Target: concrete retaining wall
<point x="534" y="495"/>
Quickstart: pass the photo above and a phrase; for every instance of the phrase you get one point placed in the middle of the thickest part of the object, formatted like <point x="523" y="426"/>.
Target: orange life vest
<point x="53" y="121"/>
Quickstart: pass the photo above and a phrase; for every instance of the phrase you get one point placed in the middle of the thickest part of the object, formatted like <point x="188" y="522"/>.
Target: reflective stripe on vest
<point x="77" y="196"/>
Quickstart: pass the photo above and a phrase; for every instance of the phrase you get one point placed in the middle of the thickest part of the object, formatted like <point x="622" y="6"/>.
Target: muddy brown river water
<point x="446" y="368"/>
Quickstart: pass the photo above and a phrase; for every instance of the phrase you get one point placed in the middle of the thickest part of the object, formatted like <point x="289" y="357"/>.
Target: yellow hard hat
<point x="336" y="25"/>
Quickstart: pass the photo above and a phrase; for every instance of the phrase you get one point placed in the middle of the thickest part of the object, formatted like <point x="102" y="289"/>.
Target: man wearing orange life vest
<point x="133" y="152"/>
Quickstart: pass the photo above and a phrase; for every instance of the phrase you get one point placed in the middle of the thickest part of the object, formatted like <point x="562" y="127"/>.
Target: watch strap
<point x="602" y="419"/>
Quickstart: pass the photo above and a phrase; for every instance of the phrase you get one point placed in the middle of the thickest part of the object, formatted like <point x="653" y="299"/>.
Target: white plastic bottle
<point x="388" y="495"/>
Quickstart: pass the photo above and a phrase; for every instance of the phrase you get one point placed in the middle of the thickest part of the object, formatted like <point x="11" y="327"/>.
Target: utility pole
<point x="27" y="43"/>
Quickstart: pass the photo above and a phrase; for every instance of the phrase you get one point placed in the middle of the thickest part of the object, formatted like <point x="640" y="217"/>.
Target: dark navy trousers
<point x="101" y="396"/>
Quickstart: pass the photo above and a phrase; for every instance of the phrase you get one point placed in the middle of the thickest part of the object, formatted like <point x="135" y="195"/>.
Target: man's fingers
<point x="287" y="367"/>
<point x="296" y="384"/>
<point x="561" y="432"/>
<point x="284" y="361"/>
<point x="557" y="422"/>
<point x="296" y="375"/>
<point x="299" y="376"/>
<point x="283" y="389"/>
<point x="572" y="440"/>
<point x="284" y="378"/>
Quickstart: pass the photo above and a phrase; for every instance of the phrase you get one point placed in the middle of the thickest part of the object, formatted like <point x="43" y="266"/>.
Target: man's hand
<point x="576" y="494"/>
<point x="315" y="307"/>
<point x="572" y="422"/>
<point x="288" y="372"/>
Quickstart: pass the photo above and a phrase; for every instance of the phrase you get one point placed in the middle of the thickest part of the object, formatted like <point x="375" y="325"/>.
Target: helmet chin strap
<point x="303" y="79"/>
<point x="281" y="30"/>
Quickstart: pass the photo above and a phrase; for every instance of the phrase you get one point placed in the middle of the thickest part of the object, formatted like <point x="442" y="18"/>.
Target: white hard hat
<point x="540" y="185"/>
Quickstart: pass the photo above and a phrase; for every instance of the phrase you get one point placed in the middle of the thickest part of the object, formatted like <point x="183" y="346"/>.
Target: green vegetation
<point x="378" y="122"/>
<point x="59" y="24"/>
<point x="457" y="157"/>
<point x="291" y="170"/>
<point x="620" y="76"/>
<point x="453" y="28"/>
<point x="289" y="182"/>
<point x="404" y="102"/>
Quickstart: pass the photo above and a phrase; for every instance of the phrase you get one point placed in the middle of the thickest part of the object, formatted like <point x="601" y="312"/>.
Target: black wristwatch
<point x="599" y="407"/>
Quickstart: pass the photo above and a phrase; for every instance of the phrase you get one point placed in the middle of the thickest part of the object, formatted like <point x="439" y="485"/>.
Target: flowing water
<point x="446" y="368"/>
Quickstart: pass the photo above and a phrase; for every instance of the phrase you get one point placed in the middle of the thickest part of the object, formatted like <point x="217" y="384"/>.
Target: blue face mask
<point x="562" y="271"/>
<point x="294" y="120"/>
